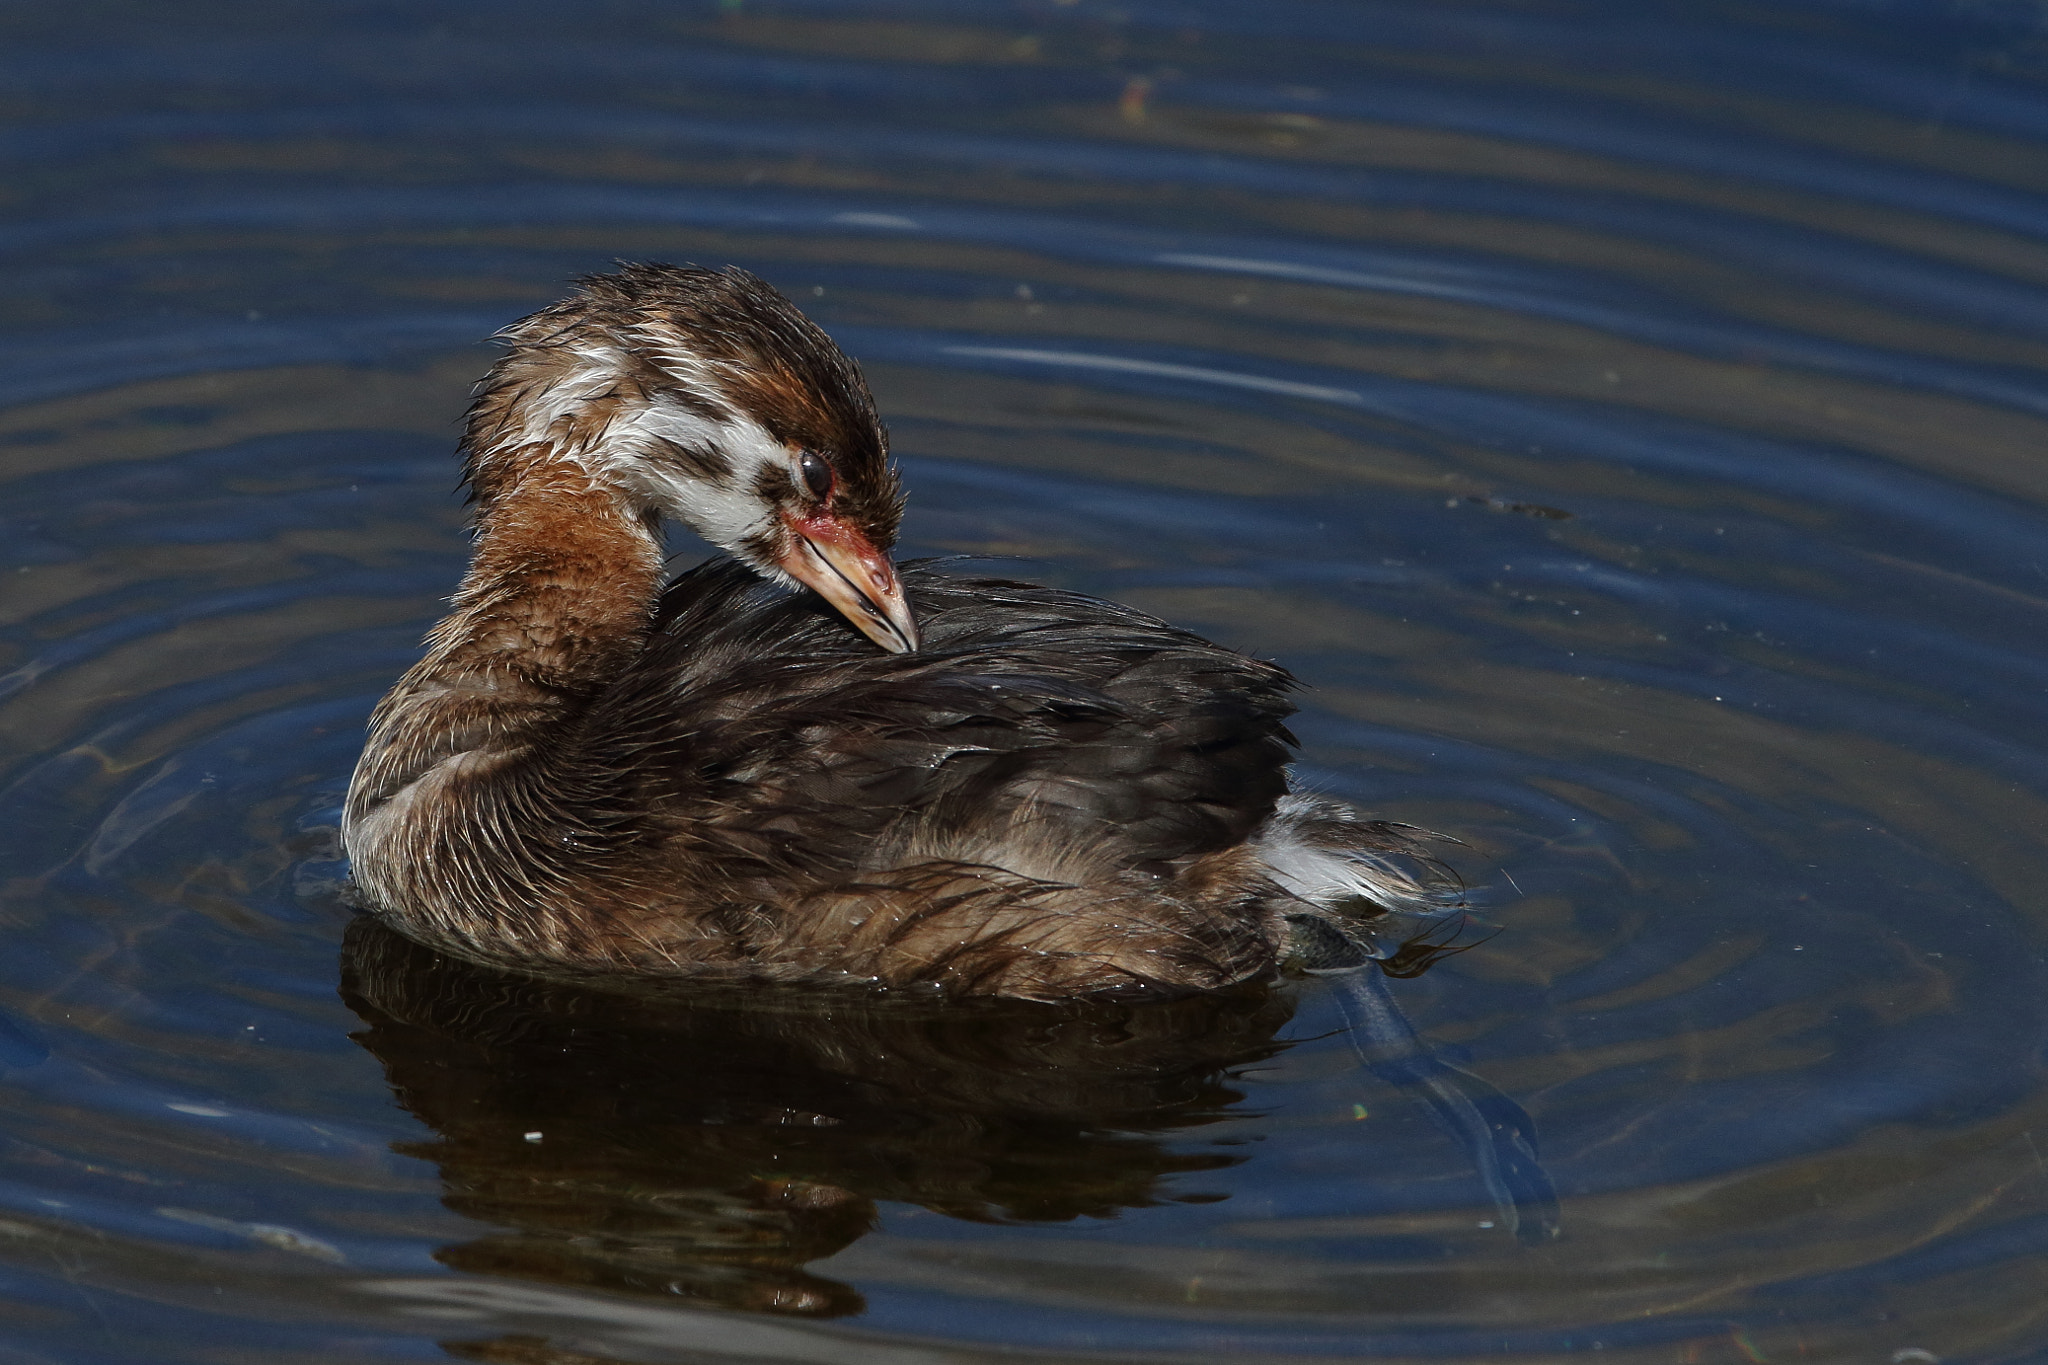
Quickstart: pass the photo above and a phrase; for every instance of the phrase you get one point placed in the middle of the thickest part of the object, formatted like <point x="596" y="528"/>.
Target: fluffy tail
<point x="1363" y="889"/>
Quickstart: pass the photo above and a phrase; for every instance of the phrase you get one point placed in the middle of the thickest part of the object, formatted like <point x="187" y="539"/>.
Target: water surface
<point x="1628" y="419"/>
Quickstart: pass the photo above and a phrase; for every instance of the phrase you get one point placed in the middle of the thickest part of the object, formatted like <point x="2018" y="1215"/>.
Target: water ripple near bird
<point x="1627" y="420"/>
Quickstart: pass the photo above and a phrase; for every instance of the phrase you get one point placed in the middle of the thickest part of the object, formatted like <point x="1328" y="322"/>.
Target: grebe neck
<point x="561" y="586"/>
<point x="560" y="594"/>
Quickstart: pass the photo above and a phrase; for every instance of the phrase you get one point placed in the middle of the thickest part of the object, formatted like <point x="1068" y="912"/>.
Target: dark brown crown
<point x="715" y="342"/>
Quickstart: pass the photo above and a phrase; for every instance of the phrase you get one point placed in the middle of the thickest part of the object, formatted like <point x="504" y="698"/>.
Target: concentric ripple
<point x="1630" y="421"/>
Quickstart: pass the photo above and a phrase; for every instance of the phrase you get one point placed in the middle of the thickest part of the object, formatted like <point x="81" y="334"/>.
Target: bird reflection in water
<point x="708" y="1144"/>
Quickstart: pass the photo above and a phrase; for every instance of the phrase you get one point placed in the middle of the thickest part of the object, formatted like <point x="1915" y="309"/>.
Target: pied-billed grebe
<point x="1002" y="789"/>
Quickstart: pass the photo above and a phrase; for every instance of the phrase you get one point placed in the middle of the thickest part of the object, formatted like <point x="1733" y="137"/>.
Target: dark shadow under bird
<point x="805" y="762"/>
<point x="706" y="1144"/>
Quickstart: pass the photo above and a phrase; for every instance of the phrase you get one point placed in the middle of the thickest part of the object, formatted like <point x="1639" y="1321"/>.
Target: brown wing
<point x="766" y="733"/>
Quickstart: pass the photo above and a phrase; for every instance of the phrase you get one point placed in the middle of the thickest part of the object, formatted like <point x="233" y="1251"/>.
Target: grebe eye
<point x="817" y="475"/>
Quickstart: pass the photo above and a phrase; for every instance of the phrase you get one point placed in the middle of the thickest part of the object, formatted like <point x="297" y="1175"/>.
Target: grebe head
<point x="706" y="396"/>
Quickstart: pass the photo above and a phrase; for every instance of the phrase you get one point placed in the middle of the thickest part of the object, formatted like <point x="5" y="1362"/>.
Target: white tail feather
<point x="1305" y="849"/>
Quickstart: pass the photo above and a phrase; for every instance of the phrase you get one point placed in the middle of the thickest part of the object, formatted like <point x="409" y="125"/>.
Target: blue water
<point x="1631" y="420"/>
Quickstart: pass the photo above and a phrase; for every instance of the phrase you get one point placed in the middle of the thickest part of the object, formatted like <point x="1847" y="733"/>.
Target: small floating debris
<point x="1131" y="103"/>
<point x="1520" y="509"/>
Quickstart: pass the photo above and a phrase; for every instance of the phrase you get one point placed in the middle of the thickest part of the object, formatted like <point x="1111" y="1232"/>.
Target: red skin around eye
<point x="827" y="529"/>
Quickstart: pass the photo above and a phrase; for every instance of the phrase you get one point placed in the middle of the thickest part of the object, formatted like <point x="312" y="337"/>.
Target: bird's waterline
<point x="1627" y="423"/>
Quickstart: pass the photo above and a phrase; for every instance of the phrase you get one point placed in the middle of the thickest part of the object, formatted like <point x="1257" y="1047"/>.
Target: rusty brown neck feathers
<point x="657" y="392"/>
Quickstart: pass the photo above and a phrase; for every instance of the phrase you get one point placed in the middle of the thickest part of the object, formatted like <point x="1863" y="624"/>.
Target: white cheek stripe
<point x="630" y="453"/>
<point x="543" y="412"/>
